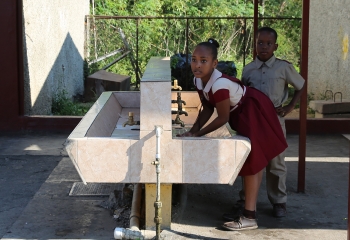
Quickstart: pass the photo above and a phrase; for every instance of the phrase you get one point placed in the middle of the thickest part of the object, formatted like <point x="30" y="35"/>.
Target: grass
<point x="62" y="105"/>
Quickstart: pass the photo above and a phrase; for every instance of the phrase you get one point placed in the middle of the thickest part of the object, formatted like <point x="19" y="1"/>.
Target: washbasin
<point x="105" y="150"/>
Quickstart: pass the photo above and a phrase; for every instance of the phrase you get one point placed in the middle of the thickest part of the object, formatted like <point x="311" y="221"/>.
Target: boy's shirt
<point x="272" y="78"/>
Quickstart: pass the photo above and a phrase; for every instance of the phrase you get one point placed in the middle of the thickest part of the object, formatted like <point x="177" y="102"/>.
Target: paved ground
<point x="36" y="176"/>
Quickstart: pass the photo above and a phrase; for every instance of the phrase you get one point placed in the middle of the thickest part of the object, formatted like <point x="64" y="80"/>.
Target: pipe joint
<point x="157" y="204"/>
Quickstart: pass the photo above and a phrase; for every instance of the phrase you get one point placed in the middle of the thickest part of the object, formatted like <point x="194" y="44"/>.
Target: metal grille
<point x="93" y="189"/>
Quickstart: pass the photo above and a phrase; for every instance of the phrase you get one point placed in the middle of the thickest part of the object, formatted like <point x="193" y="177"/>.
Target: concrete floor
<point x="36" y="176"/>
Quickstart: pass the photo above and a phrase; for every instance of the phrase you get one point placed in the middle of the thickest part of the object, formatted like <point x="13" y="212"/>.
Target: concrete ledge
<point x="332" y="115"/>
<point x="330" y="107"/>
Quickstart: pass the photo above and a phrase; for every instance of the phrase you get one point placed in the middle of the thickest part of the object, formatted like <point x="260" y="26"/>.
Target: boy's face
<point x="202" y="63"/>
<point x="265" y="45"/>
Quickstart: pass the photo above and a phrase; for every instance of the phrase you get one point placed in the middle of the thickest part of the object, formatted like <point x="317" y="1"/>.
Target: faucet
<point x="179" y="105"/>
<point x="178" y="121"/>
<point x="179" y="102"/>
<point x="175" y="86"/>
<point x="131" y="121"/>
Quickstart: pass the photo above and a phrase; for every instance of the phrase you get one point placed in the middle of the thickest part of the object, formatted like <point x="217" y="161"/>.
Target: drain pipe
<point x="135" y="208"/>
<point x="158" y="203"/>
<point x="134" y="231"/>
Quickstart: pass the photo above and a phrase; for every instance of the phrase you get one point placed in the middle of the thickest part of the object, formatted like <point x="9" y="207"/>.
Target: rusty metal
<point x="341" y="96"/>
<point x="244" y="40"/>
<point x="117" y="60"/>
<point x="303" y="100"/>
<point x="137" y="54"/>
<point x="187" y="51"/>
<point x="349" y="198"/>
<point x="255" y="24"/>
<point x="184" y="18"/>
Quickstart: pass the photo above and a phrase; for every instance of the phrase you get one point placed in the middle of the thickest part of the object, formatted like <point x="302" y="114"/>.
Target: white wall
<point x="329" y="66"/>
<point x="53" y="51"/>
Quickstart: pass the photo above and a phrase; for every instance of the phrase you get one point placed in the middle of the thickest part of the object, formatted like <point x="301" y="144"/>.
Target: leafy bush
<point x="64" y="106"/>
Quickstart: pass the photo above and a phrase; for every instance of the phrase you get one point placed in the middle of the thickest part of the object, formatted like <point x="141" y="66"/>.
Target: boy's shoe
<point x="241" y="223"/>
<point x="279" y="210"/>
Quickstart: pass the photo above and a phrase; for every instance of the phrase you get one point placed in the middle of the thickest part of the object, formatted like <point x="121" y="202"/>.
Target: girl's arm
<point x="202" y="119"/>
<point x="223" y="111"/>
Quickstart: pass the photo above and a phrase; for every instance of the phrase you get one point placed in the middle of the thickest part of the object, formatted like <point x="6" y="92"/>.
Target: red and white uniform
<point x="252" y="115"/>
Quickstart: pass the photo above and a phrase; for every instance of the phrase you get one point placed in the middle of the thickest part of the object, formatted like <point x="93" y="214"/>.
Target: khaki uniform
<point x="272" y="78"/>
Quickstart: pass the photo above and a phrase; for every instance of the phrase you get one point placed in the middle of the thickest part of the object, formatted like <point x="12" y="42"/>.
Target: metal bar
<point x="137" y="54"/>
<point x="106" y="56"/>
<point x="186" y="72"/>
<point x="244" y="42"/>
<point x="20" y="57"/>
<point x="118" y="59"/>
<point x="349" y="198"/>
<point x="255" y="24"/>
<point x="149" y="17"/>
<point x="303" y="99"/>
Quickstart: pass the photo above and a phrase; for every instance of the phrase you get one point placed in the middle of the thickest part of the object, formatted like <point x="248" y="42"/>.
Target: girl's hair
<point x="213" y="45"/>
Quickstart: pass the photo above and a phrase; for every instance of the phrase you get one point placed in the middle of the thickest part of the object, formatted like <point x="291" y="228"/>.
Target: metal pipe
<point x="149" y="17"/>
<point x="135" y="208"/>
<point x="134" y="231"/>
<point x="303" y="99"/>
<point x="255" y="24"/>
<point x="158" y="203"/>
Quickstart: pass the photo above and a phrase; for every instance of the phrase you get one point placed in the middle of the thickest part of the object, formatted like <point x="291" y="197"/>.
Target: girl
<point x="248" y="111"/>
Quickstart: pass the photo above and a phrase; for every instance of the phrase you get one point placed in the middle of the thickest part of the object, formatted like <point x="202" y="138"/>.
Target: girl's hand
<point x="186" y="134"/>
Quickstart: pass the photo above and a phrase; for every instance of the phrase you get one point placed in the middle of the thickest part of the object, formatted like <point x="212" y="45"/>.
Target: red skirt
<point x="256" y="118"/>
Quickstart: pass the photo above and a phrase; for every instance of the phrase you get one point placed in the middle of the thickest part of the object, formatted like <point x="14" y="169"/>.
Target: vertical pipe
<point x="20" y="60"/>
<point x="137" y="54"/>
<point x="244" y="40"/>
<point x="349" y="198"/>
<point x="158" y="203"/>
<point x="303" y="99"/>
<point x="186" y="68"/>
<point x="136" y="208"/>
<point x="255" y="24"/>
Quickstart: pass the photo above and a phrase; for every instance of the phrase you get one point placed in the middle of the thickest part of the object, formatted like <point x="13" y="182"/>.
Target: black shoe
<point x="279" y="210"/>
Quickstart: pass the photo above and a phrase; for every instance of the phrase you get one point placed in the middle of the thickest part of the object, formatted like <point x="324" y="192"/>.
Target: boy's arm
<point x="297" y="81"/>
<point x="283" y="111"/>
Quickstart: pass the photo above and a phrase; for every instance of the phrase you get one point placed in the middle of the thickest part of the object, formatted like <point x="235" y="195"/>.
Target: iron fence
<point x="166" y="36"/>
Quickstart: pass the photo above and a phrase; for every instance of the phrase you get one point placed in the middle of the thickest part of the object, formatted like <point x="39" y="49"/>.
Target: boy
<point x="272" y="76"/>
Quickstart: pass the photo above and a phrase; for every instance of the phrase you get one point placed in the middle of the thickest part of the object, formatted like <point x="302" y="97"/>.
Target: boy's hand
<point x="283" y="111"/>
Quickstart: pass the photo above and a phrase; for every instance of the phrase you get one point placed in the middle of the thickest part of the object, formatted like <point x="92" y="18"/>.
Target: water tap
<point x="131" y="121"/>
<point x="175" y="86"/>
<point x="179" y="105"/>
<point x="178" y="121"/>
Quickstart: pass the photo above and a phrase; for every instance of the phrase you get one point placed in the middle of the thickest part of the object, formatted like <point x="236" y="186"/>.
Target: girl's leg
<point x="251" y="189"/>
<point x="248" y="220"/>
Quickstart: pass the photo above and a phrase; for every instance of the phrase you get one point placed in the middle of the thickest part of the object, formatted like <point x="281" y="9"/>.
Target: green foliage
<point x="166" y="37"/>
<point x="62" y="105"/>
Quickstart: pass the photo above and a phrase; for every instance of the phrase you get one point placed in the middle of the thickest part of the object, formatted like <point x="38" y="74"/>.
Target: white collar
<point x="214" y="76"/>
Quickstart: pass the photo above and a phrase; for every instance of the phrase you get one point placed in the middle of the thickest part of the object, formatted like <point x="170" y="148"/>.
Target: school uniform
<point x="272" y="78"/>
<point x="251" y="115"/>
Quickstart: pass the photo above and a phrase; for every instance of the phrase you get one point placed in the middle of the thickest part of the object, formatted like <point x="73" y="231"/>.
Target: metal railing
<point x="166" y="36"/>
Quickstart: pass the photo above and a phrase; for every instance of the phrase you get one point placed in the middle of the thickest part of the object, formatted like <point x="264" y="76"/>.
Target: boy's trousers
<point x="276" y="175"/>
